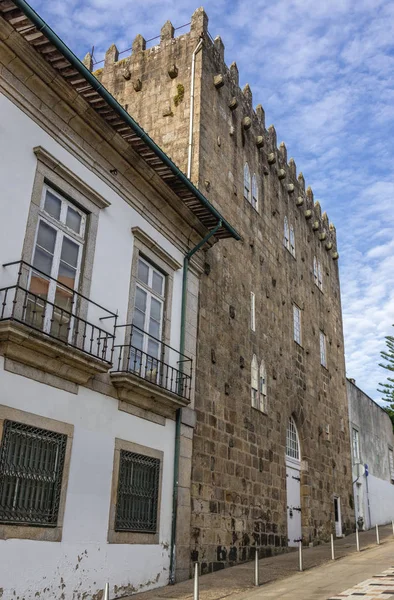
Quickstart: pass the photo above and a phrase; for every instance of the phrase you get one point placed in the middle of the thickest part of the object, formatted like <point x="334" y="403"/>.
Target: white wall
<point x="114" y="244"/>
<point x="83" y="559"/>
<point x="381" y="501"/>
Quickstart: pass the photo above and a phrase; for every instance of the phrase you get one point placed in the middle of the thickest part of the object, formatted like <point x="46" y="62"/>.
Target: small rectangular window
<point x="31" y="471"/>
<point x="391" y="465"/>
<point x="323" y="352"/>
<point x="252" y="311"/>
<point x="138" y="493"/>
<point x="319" y="276"/>
<point x="356" y="445"/>
<point x="297" y="324"/>
<point x="292" y="241"/>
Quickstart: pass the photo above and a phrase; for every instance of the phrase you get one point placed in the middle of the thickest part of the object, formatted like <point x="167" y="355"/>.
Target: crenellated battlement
<point x="153" y="84"/>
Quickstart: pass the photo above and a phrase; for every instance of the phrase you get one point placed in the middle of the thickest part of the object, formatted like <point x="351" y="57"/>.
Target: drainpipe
<point x="186" y="261"/>
<point x="190" y="147"/>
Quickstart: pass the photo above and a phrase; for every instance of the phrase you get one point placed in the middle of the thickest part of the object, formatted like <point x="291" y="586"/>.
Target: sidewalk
<point x="235" y="581"/>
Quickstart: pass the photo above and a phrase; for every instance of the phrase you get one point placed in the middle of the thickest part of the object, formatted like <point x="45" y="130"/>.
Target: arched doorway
<point x="293" y="483"/>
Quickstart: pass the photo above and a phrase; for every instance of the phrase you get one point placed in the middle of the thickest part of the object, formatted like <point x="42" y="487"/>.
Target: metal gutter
<point x="103" y="92"/>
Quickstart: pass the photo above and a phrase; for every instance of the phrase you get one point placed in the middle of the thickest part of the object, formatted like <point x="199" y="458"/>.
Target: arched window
<point x="254" y="384"/>
<point x="263" y="387"/>
<point x="319" y="276"/>
<point x="315" y="271"/>
<point x="292" y="441"/>
<point x="292" y="240"/>
<point x="286" y="235"/>
<point x="247" y="190"/>
<point x="255" y="193"/>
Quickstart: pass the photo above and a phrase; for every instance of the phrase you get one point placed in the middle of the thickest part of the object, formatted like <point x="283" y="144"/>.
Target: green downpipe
<point x="186" y="261"/>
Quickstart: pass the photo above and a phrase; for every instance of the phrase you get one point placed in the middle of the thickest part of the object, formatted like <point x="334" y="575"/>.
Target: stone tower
<point x="239" y="491"/>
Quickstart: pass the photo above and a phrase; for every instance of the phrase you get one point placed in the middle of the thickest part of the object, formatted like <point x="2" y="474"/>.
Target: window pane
<point x="67" y="275"/>
<point x="73" y="220"/>
<point x="155" y="309"/>
<point x="70" y="252"/>
<point x="43" y="261"/>
<point x="46" y="237"/>
<point x="137" y="339"/>
<point x="154" y="328"/>
<point x="143" y="272"/>
<point x="139" y="318"/>
<point x="140" y="299"/>
<point x="52" y="205"/>
<point x="157" y="283"/>
<point x="153" y="348"/>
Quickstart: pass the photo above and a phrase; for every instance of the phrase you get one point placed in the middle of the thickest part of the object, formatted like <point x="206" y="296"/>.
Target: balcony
<point x="71" y="337"/>
<point x="151" y="374"/>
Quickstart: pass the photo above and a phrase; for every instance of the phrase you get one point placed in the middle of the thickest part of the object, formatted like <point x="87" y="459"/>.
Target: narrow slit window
<point x="255" y="193"/>
<point x="297" y="324"/>
<point x="292" y="241"/>
<point x="286" y="234"/>
<point x="255" y="382"/>
<point x="252" y="311"/>
<point x="247" y="188"/>
<point x="319" y="277"/>
<point x="315" y="271"/>
<point x="323" y="350"/>
<point x="263" y="387"/>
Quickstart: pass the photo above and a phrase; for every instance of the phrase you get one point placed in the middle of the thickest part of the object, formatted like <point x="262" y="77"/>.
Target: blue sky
<point x="323" y="73"/>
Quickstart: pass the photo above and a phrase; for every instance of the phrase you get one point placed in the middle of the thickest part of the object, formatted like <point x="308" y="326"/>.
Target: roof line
<point x="104" y="93"/>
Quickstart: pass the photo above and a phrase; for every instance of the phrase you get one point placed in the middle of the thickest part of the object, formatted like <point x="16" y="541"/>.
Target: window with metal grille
<point x="31" y="469"/>
<point x="292" y="444"/>
<point x="138" y="493"/>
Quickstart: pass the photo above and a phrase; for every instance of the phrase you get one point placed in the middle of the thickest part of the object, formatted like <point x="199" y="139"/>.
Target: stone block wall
<point x="238" y="487"/>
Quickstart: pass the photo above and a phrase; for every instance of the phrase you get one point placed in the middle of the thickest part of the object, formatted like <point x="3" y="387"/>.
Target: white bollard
<point x="256" y="568"/>
<point x="106" y="592"/>
<point x="357" y="540"/>
<point x="196" y="585"/>
<point x="300" y="563"/>
<point x="377" y="535"/>
<point x="332" y="547"/>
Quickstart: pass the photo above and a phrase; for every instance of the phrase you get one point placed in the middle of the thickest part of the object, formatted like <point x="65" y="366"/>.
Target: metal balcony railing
<point x="151" y="359"/>
<point x="64" y="318"/>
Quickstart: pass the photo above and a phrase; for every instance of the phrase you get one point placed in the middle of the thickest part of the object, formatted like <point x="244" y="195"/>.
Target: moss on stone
<point x="179" y="95"/>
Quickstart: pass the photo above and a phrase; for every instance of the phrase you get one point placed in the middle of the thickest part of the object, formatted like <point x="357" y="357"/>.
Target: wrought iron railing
<point x="64" y="319"/>
<point x="165" y="367"/>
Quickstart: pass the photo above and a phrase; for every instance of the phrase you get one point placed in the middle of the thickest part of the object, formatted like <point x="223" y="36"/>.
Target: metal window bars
<point x="138" y="493"/>
<point x="31" y="469"/>
<point x="160" y="369"/>
<point x="65" y="319"/>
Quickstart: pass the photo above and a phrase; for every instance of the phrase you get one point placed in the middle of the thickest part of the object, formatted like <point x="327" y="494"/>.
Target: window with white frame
<point x="356" y="445"/>
<point x="391" y="464"/>
<point x="255" y="193"/>
<point x="292" y="241"/>
<point x="57" y="259"/>
<point x="147" y="319"/>
<point x="297" y="324"/>
<point x="315" y="271"/>
<point x="319" y="277"/>
<point x="286" y="234"/>
<point x="254" y="383"/>
<point x="252" y="311"/>
<point x="263" y="387"/>
<point x="323" y="350"/>
<point x="292" y="441"/>
<point x="247" y="187"/>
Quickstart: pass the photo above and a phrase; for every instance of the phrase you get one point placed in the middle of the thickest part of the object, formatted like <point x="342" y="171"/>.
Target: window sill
<point x="132" y="537"/>
<point x="30" y="532"/>
<point x="298" y="345"/>
<point x="262" y="412"/>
